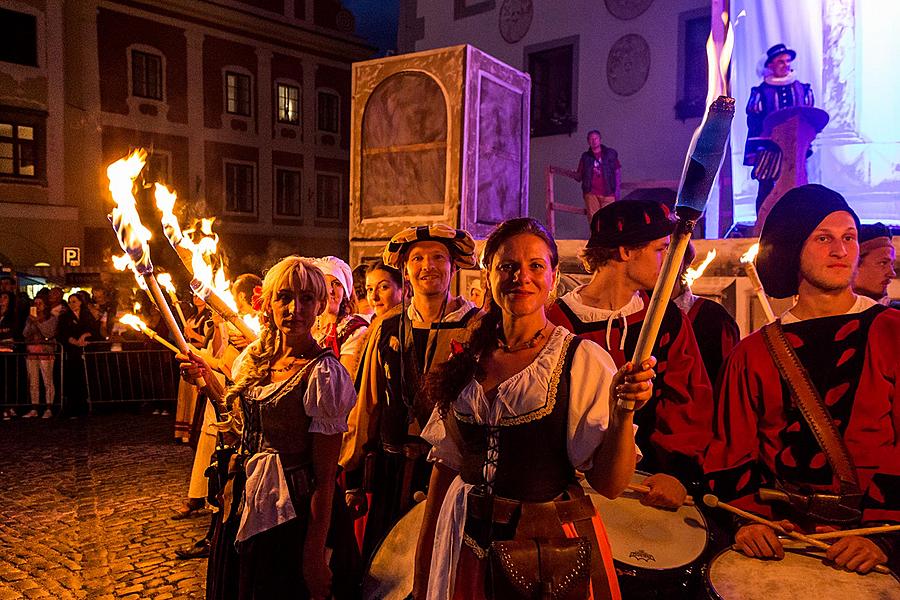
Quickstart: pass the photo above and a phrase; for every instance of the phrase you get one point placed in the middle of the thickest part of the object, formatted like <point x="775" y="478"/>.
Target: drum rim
<point x="381" y="542"/>
<point x="667" y="570"/>
<point x="710" y="590"/>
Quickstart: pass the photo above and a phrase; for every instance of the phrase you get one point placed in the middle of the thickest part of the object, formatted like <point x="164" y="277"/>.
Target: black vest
<point x="533" y="463"/>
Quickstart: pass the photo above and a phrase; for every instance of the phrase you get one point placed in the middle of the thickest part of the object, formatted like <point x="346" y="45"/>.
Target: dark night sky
<point x="376" y="22"/>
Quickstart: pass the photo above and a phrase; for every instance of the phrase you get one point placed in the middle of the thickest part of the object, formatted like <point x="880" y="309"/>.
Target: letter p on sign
<point x="72" y="257"/>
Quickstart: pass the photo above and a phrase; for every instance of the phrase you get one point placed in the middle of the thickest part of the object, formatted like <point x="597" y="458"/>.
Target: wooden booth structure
<point x="436" y="136"/>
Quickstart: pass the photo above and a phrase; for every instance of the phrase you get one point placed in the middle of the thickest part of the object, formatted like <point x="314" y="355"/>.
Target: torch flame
<point x="124" y="262"/>
<point x="718" y="60"/>
<point x="132" y="234"/>
<point x="165" y="202"/>
<point x="165" y="280"/>
<point x="750" y="255"/>
<point x="691" y="274"/>
<point x="253" y="323"/>
<point x="133" y="321"/>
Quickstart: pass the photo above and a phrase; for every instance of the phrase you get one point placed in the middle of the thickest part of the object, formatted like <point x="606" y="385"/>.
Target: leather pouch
<point x="541" y="568"/>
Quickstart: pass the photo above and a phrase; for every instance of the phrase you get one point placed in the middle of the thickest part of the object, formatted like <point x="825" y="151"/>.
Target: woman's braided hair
<point x="293" y="272"/>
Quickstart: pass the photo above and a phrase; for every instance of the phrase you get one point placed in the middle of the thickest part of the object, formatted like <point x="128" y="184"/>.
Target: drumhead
<point x="647" y="537"/>
<point x="390" y="574"/>
<point x="801" y="574"/>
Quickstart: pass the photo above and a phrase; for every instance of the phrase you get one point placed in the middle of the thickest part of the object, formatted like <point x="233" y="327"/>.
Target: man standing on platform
<point x="876" y="263"/>
<point x="779" y="89"/>
<point x="382" y="452"/>
<point x="628" y="242"/>
<point x="600" y="174"/>
<point x="808" y="407"/>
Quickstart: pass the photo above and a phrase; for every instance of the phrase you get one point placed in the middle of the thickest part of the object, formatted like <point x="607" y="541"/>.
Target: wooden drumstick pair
<point x="713" y="502"/>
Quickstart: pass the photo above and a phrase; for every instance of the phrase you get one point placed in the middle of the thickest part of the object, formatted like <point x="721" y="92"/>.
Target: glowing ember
<point x="691" y="274"/>
<point x="750" y="255"/>
<point x="126" y="222"/>
<point x="137" y="307"/>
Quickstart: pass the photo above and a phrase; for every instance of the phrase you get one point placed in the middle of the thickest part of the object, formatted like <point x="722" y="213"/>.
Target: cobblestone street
<point x="86" y="507"/>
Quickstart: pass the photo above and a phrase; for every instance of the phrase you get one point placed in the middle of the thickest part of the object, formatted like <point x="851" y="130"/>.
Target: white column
<point x="266" y="187"/>
<point x="196" y="153"/>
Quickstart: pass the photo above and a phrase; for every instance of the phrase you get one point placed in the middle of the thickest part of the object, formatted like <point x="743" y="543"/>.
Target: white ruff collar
<point x="786" y="80"/>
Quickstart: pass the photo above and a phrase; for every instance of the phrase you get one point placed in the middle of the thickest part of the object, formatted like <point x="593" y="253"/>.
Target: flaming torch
<point x="137" y="324"/>
<point x="195" y="257"/>
<point x="702" y="162"/>
<point x="134" y="237"/>
<point x="750" y="268"/>
<point x="165" y="280"/>
<point x="691" y="274"/>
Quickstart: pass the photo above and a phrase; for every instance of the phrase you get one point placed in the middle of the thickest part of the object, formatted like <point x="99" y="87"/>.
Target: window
<point x="237" y="94"/>
<point x="287" y="193"/>
<point x="146" y="75"/>
<point x="469" y="8"/>
<point x="553" y="88"/>
<point x="288" y="104"/>
<point x="18" y="38"/>
<point x="21" y="144"/>
<point x="157" y="169"/>
<point x="328" y="112"/>
<point x="694" y="29"/>
<point x="328" y="196"/>
<point x="240" y="189"/>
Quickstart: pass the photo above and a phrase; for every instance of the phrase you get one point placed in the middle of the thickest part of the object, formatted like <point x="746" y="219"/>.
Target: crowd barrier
<point x="129" y="372"/>
<point x="14" y="382"/>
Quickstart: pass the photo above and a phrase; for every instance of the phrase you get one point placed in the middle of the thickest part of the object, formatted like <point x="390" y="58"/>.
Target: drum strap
<point x="808" y="400"/>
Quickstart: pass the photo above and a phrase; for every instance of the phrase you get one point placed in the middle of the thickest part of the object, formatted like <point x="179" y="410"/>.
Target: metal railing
<point x="15" y="385"/>
<point x="128" y="372"/>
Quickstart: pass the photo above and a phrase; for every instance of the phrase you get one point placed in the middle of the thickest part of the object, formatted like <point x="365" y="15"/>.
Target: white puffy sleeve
<point x="443" y="447"/>
<point x="329" y="397"/>
<point x="351" y="345"/>
<point x="591" y="375"/>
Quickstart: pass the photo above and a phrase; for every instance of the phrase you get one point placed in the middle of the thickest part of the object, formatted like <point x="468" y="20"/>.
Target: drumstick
<point x="713" y="502"/>
<point x="643" y="489"/>
<point x="833" y="535"/>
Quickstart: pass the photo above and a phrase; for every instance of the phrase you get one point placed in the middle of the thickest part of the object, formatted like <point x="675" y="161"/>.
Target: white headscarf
<point x="334" y="266"/>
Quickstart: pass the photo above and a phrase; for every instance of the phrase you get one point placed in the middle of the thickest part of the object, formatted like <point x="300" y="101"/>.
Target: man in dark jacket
<point x="600" y="174"/>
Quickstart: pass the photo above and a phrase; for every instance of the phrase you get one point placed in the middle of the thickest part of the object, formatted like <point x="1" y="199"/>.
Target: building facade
<point x="243" y="105"/>
<point x="634" y="70"/>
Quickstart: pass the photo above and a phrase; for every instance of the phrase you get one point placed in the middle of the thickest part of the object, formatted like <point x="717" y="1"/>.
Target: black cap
<point x="778" y="50"/>
<point x="629" y="223"/>
<point x="793" y="218"/>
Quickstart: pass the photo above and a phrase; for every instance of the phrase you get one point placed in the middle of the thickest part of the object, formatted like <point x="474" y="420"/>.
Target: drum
<point x="390" y="574"/>
<point x="657" y="552"/>
<point x="801" y="574"/>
